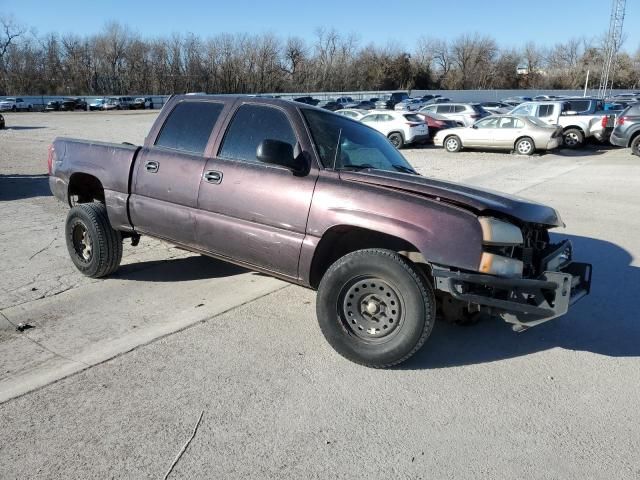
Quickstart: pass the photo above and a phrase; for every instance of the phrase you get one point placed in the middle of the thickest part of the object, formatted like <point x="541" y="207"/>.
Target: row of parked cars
<point x="530" y="124"/>
<point x="108" y="103"/>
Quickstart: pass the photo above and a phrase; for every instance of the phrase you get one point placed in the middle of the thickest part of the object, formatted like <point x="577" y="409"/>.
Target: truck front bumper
<point x="522" y="302"/>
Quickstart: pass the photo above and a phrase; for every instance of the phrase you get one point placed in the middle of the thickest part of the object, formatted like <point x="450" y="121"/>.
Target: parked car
<point x="436" y="122"/>
<point x="496" y="107"/>
<point x="440" y="100"/>
<point x="2" y="124"/>
<point x="409" y="104"/>
<point x="97" y="104"/>
<point x="587" y="120"/>
<point x="627" y="130"/>
<point x="464" y="114"/>
<point x="545" y="97"/>
<point x="141" y="103"/>
<point x="14" y="104"/>
<point x="524" y="135"/>
<point x="390" y="101"/>
<point x="112" y="104"/>
<point x="384" y="247"/>
<point x="428" y="98"/>
<point x="330" y="105"/>
<point x="125" y="102"/>
<point x="354" y="113"/>
<point x="401" y="128"/>
<point x="308" y="100"/>
<point x="365" y="105"/>
<point x="71" y="104"/>
<point x="53" y="106"/>
<point x="517" y="100"/>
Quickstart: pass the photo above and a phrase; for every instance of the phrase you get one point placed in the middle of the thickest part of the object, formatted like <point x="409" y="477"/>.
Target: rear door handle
<point x="151" y="166"/>
<point x="213" y="176"/>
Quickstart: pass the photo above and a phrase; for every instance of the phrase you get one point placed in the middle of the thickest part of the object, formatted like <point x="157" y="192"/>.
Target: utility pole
<point x="611" y="46"/>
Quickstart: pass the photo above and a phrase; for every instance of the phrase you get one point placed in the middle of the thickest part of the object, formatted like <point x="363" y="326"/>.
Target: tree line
<point x="117" y="60"/>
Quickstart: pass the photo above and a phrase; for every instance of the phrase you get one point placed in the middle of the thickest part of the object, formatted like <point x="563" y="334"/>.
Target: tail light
<point x="621" y="120"/>
<point x="414" y="124"/>
<point x="52" y="152"/>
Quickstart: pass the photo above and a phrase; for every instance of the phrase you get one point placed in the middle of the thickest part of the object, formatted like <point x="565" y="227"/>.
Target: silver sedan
<point x="525" y="135"/>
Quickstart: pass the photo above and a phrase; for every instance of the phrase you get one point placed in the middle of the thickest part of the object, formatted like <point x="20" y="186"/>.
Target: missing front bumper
<point x="522" y="302"/>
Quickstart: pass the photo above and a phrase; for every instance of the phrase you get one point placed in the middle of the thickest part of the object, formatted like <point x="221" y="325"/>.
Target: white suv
<point x="400" y="128"/>
<point x="465" y="114"/>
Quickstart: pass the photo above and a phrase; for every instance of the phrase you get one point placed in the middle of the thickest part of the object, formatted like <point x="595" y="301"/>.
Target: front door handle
<point x="213" y="176"/>
<point x="151" y="166"/>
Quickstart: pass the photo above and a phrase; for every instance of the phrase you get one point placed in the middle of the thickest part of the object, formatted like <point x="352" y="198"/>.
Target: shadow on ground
<point x="178" y="270"/>
<point x="605" y="322"/>
<point x="16" y="187"/>
<point x="23" y="128"/>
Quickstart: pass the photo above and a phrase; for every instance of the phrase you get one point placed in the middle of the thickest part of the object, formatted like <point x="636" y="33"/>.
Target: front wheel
<point x="94" y="246"/>
<point x="375" y="308"/>
<point x="635" y="146"/>
<point x="525" y="146"/>
<point x="396" y="140"/>
<point x="573" y="138"/>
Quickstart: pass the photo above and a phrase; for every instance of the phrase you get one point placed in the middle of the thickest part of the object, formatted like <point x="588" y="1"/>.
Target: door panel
<point x="162" y="202"/>
<point x="257" y="213"/>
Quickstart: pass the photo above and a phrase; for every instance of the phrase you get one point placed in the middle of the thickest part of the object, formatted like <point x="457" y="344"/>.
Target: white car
<point x="354" y="113"/>
<point x="14" y="104"/>
<point x="409" y="104"/>
<point x="400" y="128"/>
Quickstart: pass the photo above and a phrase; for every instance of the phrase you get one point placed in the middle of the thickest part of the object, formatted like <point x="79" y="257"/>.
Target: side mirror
<point x="474" y="126"/>
<point x="280" y="153"/>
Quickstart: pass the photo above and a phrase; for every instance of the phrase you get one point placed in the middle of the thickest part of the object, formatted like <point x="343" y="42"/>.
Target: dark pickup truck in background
<point x="321" y="201"/>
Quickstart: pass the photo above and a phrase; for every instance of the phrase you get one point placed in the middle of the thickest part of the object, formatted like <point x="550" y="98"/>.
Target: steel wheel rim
<point x="452" y="144"/>
<point x="571" y="139"/>
<point x="524" y="147"/>
<point x="82" y="242"/>
<point x="370" y="309"/>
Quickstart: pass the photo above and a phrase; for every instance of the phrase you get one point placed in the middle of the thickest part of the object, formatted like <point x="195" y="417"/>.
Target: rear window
<point x="189" y="126"/>
<point x="579" y="105"/>
<point x="412" y="117"/>
<point x="459" y="108"/>
<point x="479" y="109"/>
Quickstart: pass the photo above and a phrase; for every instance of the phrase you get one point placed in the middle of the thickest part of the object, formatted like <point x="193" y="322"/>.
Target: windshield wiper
<point x="402" y="168"/>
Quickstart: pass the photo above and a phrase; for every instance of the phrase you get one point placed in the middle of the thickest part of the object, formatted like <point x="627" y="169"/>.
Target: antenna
<point x="611" y="46"/>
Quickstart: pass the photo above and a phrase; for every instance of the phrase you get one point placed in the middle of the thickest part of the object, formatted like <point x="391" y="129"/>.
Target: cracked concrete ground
<point x="187" y="333"/>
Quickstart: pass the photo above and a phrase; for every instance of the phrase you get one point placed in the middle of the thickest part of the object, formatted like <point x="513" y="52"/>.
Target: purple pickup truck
<point x="321" y="201"/>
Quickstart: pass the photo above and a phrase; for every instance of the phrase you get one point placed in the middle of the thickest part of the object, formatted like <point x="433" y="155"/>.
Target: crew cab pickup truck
<point x="322" y="201"/>
<point x="580" y="118"/>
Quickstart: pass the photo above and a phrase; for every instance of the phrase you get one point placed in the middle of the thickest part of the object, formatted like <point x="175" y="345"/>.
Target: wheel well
<point x="341" y="240"/>
<point x="633" y="136"/>
<point x="86" y="188"/>
<point x="396" y="131"/>
<point x="446" y="137"/>
<point x="524" y="136"/>
<point x="573" y="127"/>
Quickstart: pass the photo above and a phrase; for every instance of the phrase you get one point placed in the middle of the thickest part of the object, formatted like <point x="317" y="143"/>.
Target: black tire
<point x="14" y="109"/>
<point x="635" y="146"/>
<point x="396" y="140"/>
<point x="573" y="138"/>
<point x="452" y="144"/>
<point x="525" y="146"/>
<point x="403" y="310"/>
<point x="94" y="247"/>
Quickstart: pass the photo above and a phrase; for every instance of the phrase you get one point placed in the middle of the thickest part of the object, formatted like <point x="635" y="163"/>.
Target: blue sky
<point x="511" y="22"/>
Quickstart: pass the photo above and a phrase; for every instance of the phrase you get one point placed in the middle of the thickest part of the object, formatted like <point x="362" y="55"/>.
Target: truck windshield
<point x="345" y="144"/>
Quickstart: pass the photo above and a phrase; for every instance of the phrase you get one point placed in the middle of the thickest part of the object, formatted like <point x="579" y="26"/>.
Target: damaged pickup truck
<point x="325" y="202"/>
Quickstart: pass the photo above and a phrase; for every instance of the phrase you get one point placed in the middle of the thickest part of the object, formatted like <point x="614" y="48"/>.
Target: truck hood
<point x="480" y="201"/>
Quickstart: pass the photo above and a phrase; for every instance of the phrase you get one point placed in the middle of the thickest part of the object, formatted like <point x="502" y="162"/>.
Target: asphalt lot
<point x="112" y="378"/>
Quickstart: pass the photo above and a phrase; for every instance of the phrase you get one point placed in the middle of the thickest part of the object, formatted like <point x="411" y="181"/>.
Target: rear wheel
<point x="375" y="308"/>
<point x="573" y="138"/>
<point x="396" y="140"/>
<point x="452" y="144"/>
<point x="635" y="146"/>
<point x="525" y="146"/>
<point x="94" y="246"/>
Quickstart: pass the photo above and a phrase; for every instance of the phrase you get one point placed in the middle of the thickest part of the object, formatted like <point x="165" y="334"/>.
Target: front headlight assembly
<point x="498" y="233"/>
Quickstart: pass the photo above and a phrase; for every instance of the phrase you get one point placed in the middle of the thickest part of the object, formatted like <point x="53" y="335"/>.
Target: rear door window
<point x="251" y="125"/>
<point x="545" y="111"/>
<point x="444" y="108"/>
<point x="189" y="126"/>
<point x="459" y="108"/>
<point x="579" y="105"/>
